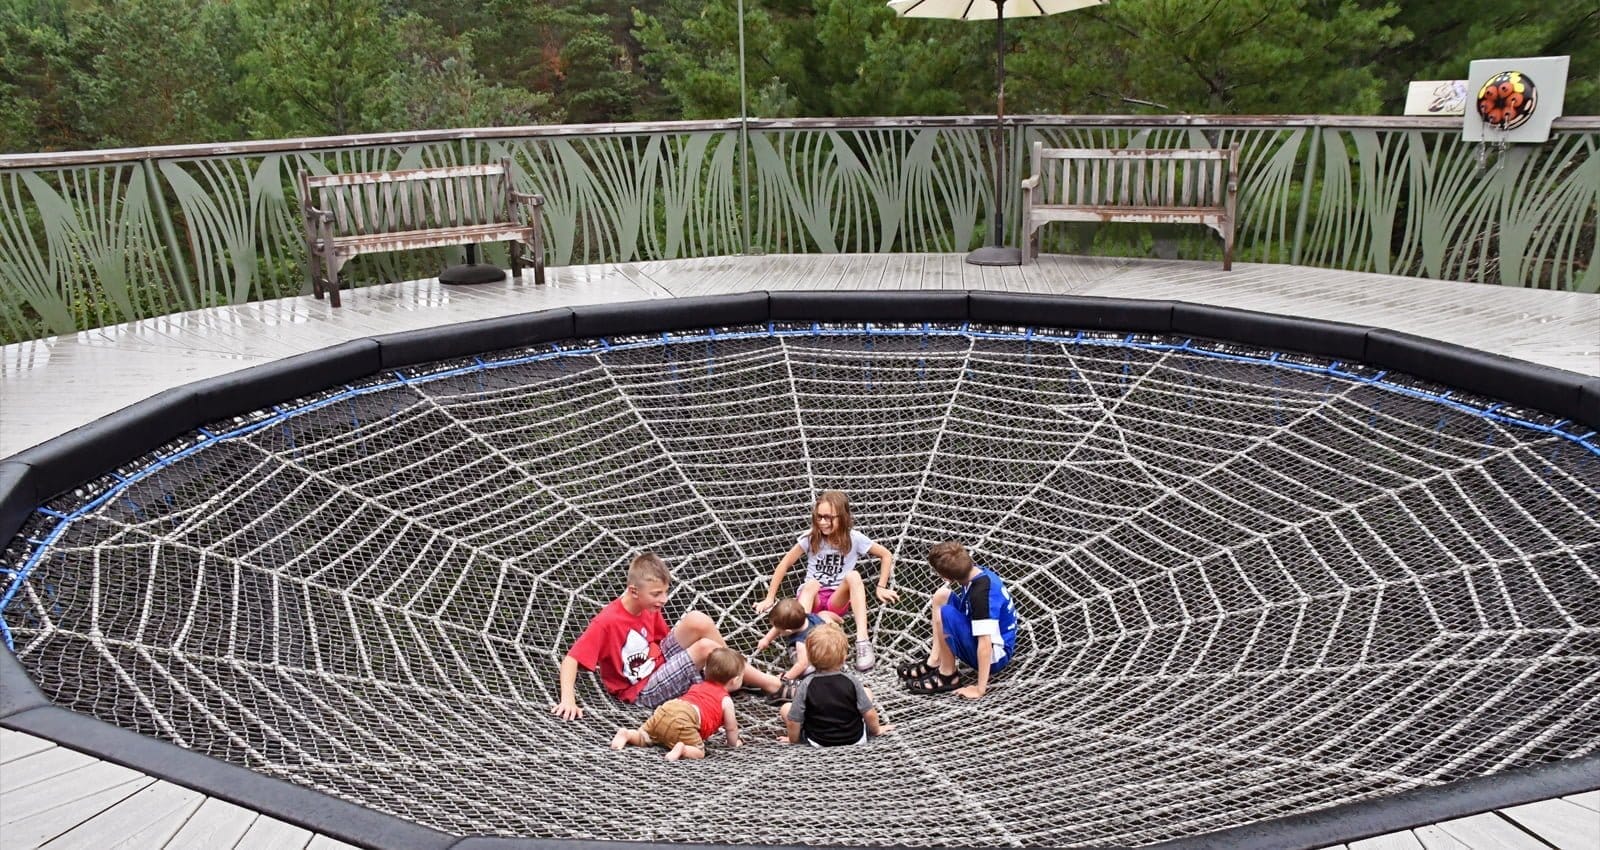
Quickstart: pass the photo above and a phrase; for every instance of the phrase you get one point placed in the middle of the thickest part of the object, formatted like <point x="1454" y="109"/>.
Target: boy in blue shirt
<point x="975" y="624"/>
<point x="792" y="625"/>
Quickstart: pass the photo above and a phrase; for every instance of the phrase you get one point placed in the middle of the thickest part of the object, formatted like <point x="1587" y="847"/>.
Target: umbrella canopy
<point x="997" y="11"/>
<point x="985" y="10"/>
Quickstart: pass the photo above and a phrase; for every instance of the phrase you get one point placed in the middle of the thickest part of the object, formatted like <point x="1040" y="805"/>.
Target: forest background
<point x="79" y="74"/>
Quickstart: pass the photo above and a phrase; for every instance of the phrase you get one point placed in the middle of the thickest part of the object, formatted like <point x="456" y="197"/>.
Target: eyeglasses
<point x="826" y="516"/>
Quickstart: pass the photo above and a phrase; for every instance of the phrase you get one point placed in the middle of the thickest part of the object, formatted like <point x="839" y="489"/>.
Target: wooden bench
<point x="372" y="212"/>
<point x="1153" y="186"/>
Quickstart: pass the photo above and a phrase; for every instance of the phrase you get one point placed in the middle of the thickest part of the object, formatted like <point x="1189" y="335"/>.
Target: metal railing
<point x="98" y="237"/>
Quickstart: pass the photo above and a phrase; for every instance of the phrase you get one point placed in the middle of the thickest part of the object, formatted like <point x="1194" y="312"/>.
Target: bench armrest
<point x="1031" y="182"/>
<point x="314" y="214"/>
<point x="531" y="198"/>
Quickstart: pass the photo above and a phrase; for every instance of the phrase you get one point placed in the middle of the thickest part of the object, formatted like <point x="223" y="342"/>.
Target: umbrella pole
<point x="999" y="119"/>
<point x="998" y="254"/>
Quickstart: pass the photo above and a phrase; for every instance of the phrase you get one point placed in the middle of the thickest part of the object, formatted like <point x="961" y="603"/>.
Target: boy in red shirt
<point x="641" y="660"/>
<point x="683" y="724"/>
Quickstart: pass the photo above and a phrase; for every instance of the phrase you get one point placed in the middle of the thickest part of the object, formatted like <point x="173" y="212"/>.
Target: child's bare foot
<point x="676" y="752"/>
<point x="620" y="740"/>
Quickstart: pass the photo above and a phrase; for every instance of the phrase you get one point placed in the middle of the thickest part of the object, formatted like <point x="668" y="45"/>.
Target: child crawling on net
<point x="682" y="725"/>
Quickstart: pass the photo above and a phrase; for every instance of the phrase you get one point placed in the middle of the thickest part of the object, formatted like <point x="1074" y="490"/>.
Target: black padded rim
<point x="40" y="473"/>
<point x="914" y="305"/>
<point x="408" y="348"/>
<point x="635" y="318"/>
<point x="1517" y="381"/>
<point x="1589" y="404"/>
<point x="1123" y="315"/>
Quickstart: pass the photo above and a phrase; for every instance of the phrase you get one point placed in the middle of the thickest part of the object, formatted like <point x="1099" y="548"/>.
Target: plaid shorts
<point x="677" y="675"/>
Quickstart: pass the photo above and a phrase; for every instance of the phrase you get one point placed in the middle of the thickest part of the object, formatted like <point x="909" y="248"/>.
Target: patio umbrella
<point x="998" y="11"/>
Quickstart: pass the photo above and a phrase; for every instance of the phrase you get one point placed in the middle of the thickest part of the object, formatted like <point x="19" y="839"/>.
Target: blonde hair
<point x="950" y="560"/>
<point x="648" y="566"/>
<point x="842" y="522"/>
<point x="787" y="614"/>
<point x="723" y="665"/>
<point x="826" y="646"/>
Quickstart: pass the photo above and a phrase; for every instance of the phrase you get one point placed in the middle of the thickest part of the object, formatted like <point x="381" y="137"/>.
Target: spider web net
<point x="1247" y="590"/>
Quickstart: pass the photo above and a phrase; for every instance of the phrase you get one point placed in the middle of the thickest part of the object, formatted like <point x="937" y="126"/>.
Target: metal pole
<point x="999" y="121"/>
<point x="996" y="253"/>
<point x="744" y="145"/>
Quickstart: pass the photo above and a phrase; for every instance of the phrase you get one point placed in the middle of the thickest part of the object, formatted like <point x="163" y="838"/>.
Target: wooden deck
<point x="54" y="797"/>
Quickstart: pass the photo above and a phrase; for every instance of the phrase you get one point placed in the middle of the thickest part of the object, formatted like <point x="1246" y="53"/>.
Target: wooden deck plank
<point x="143" y="820"/>
<point x="1490" y="831"/>
<point x="900" y="271"/>
<point x="25" y="833"/>
<point x="42" y="765"/>
<point x="19" y="745"/>
<point x="273" y="834"/>
<point x="323" y="842"/>
<point x="67" y="788"/>
<point x="217" y="823"/>
<point x="1434" y="838"/>
<point x="1567" y="826"/>
<point x="1392" y="841"/>
<point x="1588" y="799"/>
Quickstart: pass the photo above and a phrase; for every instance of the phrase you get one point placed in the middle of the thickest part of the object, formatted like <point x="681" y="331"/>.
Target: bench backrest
<point x="1170" y="178"/>
<point x="421" y="199"/>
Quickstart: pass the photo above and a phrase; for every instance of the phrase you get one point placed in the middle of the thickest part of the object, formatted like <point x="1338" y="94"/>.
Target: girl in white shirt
<point x="832" y="548"/>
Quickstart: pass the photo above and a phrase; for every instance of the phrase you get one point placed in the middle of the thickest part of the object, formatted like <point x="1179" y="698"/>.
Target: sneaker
<point x="866" y="659"/>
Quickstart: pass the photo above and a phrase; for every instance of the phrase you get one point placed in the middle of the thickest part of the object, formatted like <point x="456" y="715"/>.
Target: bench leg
<point x="516" y="258"/>
<point x="333" y="281"/>
<point x="314" y="263"/>
<point x="1227" y="252"/>
<point x="538" y="254"/>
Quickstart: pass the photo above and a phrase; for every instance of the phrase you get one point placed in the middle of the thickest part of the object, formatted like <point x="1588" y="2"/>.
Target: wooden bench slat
<point x="1198" y="186"/>
<point x="422" y="175"/>
<point x="368" y="212"/>
<point x="438" y="237"/>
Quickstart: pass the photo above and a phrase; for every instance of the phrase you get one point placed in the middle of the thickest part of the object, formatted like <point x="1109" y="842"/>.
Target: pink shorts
<point x="825" y="600"/>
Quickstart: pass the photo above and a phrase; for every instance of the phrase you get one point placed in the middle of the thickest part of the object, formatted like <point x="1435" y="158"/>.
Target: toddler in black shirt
<point x="830" y="708"/>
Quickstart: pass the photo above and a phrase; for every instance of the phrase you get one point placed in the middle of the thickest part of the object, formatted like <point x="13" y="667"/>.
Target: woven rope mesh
<point x="1247" y="589"/>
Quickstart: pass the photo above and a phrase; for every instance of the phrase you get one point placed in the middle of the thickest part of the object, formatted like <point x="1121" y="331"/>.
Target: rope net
<point x="1248" y="589"/>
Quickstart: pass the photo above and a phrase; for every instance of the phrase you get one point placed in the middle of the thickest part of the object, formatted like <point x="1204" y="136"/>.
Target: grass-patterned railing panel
<point x="81" y="247"/>
<point x="632" y="197"/>
<point x="101" y="237"/>
<point x="870" y="189"/>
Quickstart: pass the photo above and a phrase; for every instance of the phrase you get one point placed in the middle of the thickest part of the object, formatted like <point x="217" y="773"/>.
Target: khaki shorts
<point x="675" y="722"/>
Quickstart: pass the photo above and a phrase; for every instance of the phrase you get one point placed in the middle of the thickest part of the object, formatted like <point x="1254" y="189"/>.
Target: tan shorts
<point x="675" y="722"/>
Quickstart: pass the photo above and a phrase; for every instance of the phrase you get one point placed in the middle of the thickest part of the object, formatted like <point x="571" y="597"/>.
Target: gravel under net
<point x="1248" y="589"/>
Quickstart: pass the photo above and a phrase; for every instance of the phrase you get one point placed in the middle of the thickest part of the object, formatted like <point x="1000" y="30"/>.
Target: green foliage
<point x="1207" y="56"/>
<point x="154" y="73"/>
<point x="1451" y="33"/>
<point x="436" y="85"/>
<point x="818" y="58"/>
<point x="98" y="73"/>
<point x="38" y="106"/>
<point x="316" y="67"/>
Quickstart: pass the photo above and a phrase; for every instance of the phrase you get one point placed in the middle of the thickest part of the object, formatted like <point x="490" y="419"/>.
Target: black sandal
<point x="934" y="682"/>
<point x="914" y="670"/>
<point x="784" y="693"/>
